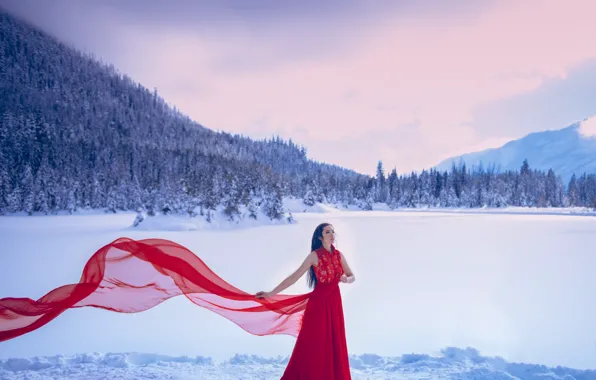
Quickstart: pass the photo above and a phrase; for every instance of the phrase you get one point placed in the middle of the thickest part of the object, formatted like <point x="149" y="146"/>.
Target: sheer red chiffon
<point x="130" y="276"/>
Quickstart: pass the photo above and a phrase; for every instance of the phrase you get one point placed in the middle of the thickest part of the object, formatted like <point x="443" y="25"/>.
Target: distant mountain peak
<point x="567" y="151"/>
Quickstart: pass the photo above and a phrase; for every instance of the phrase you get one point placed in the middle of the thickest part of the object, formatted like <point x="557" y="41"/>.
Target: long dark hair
<point x="315" y="244"/>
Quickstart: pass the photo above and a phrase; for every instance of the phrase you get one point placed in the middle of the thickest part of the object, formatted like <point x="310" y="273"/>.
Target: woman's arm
<point x="311" y="259"/>
<point x="348" y="272"/>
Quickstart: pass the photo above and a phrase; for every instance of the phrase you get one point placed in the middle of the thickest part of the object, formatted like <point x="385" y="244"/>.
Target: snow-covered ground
<point x="517" y="284"/>
<point x="452" y="363"/>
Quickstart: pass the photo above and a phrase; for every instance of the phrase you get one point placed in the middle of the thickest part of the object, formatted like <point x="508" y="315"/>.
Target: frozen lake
<point x="516" y="286"/>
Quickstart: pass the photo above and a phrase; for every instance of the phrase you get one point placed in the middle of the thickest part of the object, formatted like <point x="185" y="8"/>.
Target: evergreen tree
<point x="381" y="186"/>
<point x="273" y="204"/>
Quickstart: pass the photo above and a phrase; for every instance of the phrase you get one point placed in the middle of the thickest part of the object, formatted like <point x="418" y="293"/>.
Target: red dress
<point x="321" y="350"/>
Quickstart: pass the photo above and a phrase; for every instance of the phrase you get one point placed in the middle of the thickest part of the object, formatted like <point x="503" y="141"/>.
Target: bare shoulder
<point x="313" y="258"/>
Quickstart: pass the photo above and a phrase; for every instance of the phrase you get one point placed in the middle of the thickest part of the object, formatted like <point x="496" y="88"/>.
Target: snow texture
<point x="452" y="363"/>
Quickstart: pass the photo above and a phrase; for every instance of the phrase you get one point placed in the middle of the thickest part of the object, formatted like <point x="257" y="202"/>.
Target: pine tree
<point x="27" y="186"/>
<point x="231" y="201"/>
<point x="253" y="207"/>
<point x="572" y="192"/>
<point x="272" y="203"/>
<point x="309" y="198"/>
<point x="381" y="185"/>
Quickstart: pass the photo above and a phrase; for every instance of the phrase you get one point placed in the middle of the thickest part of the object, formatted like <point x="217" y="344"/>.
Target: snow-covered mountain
<point x="566" y="151"/>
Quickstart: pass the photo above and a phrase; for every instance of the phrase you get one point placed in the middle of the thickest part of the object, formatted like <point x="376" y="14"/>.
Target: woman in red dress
<point x="130" y="276"/>
<point x="321" y="351"/>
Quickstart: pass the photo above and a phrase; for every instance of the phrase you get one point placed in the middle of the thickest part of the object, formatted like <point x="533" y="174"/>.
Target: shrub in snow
<point x="138" y="219"/>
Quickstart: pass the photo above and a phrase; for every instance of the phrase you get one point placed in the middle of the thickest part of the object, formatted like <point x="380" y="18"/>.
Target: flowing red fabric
<point x="130" y="276"/>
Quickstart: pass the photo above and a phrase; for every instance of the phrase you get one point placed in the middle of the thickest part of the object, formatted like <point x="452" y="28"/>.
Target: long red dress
<point x="130" y="276"/>
<point x="321" y="351"/>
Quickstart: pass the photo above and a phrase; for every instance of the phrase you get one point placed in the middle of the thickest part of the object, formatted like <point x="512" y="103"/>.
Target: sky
<point x="409" y="83"/>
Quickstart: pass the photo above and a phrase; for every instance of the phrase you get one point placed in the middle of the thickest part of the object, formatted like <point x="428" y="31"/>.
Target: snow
<point x="218" y="221"/>
<point x="452" y="363"/>
<point x="511" y="283"/>
<point x="576" y="211"/>
<point x="177" y="222"/>
<point x="294" y="205"/>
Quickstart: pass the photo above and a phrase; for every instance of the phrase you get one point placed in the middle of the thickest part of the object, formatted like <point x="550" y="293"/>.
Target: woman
<point x="130" y="276"/>
<point x="321" y="350"/>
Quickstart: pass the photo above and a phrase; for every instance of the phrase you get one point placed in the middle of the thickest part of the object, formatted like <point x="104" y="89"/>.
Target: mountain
<point x="566" y="151"/>
<point x="75" y="133"/>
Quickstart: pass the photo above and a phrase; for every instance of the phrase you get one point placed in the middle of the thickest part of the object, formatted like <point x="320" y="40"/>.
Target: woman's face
<point x="328" y="235"/>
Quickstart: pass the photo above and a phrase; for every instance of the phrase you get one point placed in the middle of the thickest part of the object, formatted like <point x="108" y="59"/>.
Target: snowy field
<point x="451" y="364"/>
<point x="515" y="285"/>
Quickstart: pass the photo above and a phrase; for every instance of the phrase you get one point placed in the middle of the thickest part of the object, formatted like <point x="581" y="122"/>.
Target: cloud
<point x="588" y="127"/>
<point x="559" y="102"/>
<point x="430" y="73"/>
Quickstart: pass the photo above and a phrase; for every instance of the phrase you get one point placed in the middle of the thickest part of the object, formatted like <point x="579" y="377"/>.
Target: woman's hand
<point x="263" y="295"/>
<point x="345" y="279"/>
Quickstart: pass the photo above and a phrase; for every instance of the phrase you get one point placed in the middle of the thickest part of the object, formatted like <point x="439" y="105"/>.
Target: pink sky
<point x="399" y="87"/>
